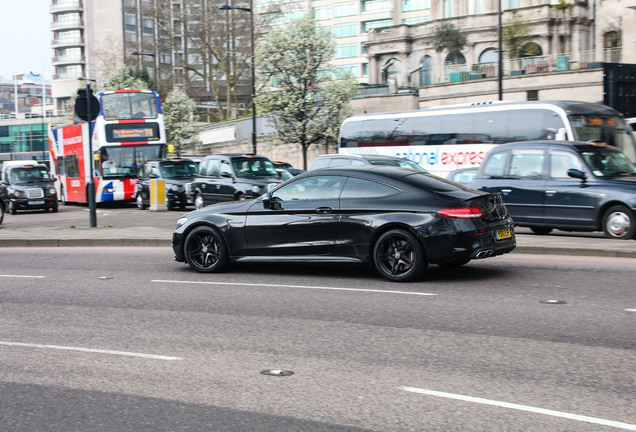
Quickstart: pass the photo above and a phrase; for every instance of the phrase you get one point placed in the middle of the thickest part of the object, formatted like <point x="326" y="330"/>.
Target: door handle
<point x="506" y="190"/>
<point x="323" y="210"/>
<point x="550" y="192"/>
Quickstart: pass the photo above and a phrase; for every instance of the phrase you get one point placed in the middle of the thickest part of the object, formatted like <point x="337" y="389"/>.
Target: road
<point x="125" y="339"/>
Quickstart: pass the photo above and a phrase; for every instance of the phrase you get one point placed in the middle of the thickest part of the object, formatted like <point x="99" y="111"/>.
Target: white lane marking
<point x="91" y="350"/>
<point x="22" y="276"/>
<point x="561" y="414"/>
<point x="293" y="286"/>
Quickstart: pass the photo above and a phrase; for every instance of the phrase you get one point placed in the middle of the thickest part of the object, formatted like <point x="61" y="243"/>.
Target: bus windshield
<point x="611" y="129"/>
<point x="129" y="105"/>
<point x="126" y="161"/>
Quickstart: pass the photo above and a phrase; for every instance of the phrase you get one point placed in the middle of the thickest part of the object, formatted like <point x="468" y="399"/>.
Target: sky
<point x="25" y="38"/>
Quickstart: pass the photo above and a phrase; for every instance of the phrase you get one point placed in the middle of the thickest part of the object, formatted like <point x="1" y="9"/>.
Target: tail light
<point x="461" y="212"/>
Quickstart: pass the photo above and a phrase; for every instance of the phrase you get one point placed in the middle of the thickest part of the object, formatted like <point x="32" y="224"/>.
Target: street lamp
<point x="154" y="66"/>
<point x="250" y="9"/>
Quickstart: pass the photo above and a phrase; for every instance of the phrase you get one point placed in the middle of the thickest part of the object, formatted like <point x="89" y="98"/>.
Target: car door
<point x="302" y="219"/>
<point x="521" y="181"/>
<point x="568" y="201"/>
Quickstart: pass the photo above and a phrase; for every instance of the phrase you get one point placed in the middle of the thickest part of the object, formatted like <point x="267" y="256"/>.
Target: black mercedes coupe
<point x="396" y="219"/>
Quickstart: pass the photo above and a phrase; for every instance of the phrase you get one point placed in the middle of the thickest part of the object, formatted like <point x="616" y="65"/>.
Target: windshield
<point x="608" y="163"/>
<point x="247" y="167"/>
<point x="127" y="160"/>
<point x="28" y="175"/>
<point x="611" y="129"/>
<point x="133" y="105"/>
<point x="180" y="169"/>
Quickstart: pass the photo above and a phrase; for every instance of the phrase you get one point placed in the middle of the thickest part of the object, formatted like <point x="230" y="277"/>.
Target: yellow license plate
<point x="503" y="233"/>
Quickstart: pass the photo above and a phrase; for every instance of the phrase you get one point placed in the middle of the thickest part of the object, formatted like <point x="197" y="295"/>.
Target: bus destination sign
<point x="132" y="132"/>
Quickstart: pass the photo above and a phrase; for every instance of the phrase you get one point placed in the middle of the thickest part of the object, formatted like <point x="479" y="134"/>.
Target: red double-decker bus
<point x="128" y="131"/>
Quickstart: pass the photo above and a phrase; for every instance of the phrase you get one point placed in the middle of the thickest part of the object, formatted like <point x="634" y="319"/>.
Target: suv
<point x="177" y="173"/>
<point x="27" y="186"/>
<point x="232" y="177"/>
<point x="571" y="186"/>
<point x="338" y="160"/>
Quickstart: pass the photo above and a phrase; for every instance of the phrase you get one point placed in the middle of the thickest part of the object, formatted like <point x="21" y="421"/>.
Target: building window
<point x="342" y="71"/>
<point x="426" y="72"/>
<point x="369" y="25"/>
<point x="474" y="7"/>
<point x="345" y="30"/>
<point x="413" y="5"/>
<point x="448" y="8"/>
<point x="416" y="20"/>
<point x="322" y="13"/>
<point x="510" y="4"/>
<point x="346" y="51"/>
<point x="365" y="69"/>
<point x="345" y="9"/>
<point x="376" y="5"/>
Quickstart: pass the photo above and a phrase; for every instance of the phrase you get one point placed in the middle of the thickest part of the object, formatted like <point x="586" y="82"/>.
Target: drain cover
<point x="553" y="302"/>
<point x="277" y="372"/>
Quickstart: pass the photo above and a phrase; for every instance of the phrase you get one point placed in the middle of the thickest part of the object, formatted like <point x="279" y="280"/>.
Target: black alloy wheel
<point x="205" y="250"/>
<point x="619" y="223"/>
<point x="398" y="256"/>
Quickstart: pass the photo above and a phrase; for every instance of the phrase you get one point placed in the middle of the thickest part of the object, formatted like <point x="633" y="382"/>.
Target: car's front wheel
<point x="398" y="256"/>
<point x="140" y="202"/>
<point x="205" y="251"/>
<point x="619" y="223"/>
<point x="198" y="202"/>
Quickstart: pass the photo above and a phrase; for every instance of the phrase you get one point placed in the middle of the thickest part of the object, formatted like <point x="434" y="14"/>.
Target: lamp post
<point x="500" y="52"/>
<point x="154" y="66"/>
<point x="250" y="9"/>
<point x="43" y="112"/>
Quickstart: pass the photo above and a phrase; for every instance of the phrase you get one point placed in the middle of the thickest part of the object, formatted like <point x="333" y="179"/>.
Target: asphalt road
<point x="125" y="339"/>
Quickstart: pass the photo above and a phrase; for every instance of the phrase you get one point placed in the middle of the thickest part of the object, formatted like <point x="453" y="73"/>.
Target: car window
<point x="526" y="163"/>
<point x="359" y="188"/>
<point x="320" y="163"/>
<point x="226" y="169"/>
<point x="561" y="162"/>
<point x="494" y="166"/>
<point x="212" y="168"/>
<point x="310" y="188"/>
<point x="608" y="163"/>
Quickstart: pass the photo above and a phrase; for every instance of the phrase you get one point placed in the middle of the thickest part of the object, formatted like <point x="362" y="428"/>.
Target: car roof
<point x="359" y="156"/>
<point x="579" y="146"/>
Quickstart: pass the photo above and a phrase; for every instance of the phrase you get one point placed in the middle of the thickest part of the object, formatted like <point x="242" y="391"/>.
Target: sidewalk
<point x="155" y="229"/>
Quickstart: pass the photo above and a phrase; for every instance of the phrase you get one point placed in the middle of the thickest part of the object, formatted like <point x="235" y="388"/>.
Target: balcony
<point x="72" y="6"/>
<point x="68" y="42"/>
<point x="67" y="25"/>
<point x="533" y="65"/>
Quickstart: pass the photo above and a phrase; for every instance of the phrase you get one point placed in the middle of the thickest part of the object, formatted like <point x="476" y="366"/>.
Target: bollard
<point x="158" y="195"/>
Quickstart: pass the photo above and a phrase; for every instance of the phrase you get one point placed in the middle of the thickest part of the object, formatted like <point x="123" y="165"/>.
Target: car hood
<point x="224" y="207"/>
<point x="179" y="181"/>
<point x="32" y="185"/>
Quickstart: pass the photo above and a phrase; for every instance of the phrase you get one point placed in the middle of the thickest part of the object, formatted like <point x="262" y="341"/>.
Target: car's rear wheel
<point x="619" y="223"/>
<point x="205" y="250"/>
<point x="541" y="230"/>
<point x="398" y="256"/>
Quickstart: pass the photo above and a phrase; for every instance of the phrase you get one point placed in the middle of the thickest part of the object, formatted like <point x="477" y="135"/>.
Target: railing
<point x="531" y="65"/>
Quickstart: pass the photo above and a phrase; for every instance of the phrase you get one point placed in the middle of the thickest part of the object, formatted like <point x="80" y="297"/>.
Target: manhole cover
<point x="277" y="372"/>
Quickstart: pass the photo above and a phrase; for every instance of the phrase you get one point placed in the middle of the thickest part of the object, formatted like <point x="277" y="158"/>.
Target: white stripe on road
<point x="22" y="276"/>
<point x="294" y="286"/>
<point x="91" y="350"/>
<point x="561" y="414"/>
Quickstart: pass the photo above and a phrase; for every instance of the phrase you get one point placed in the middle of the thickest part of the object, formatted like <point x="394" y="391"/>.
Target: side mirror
<point x="226" y="174"/>
<point x="574" y="173"/>
<point x="267" y="201"/>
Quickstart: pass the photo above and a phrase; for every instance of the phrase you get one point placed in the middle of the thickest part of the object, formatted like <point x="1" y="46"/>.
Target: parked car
<point x="337" y="160"/>
<point x="4" y="200"/>
<point x="397" y="219"/>
<point x="571" y="186"/>
<point x="177" y="173"/>
<point x="232" y="177"/>
<point x="29" y="186"/>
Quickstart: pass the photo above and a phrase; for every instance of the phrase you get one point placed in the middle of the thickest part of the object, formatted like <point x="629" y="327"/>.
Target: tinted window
<point x="311" y="188"/>
<point x="526" y="163"/>
<point x="320" y="163"/>
<point x="359" y="188"/>
<point x="494" y="166"/>
<point x="561" y="162"/>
